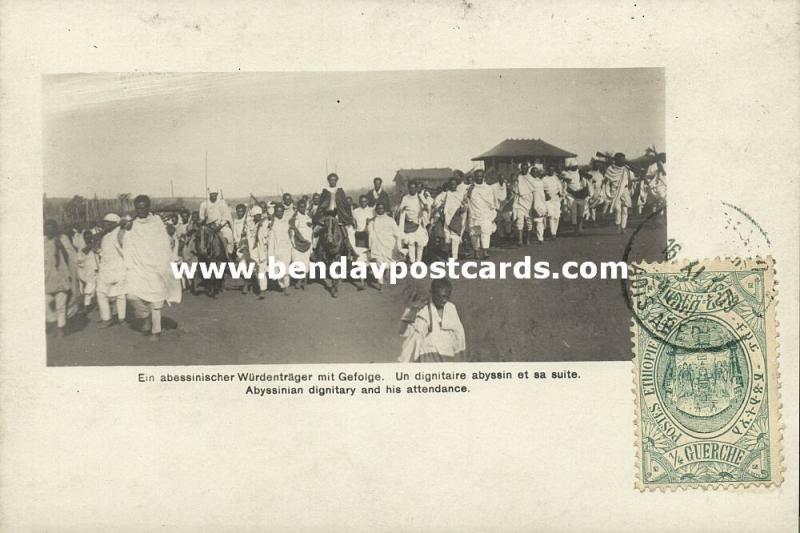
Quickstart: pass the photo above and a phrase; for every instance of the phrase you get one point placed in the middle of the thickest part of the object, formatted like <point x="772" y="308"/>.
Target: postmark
<point x="706" y="375"/>
<point x="650" y="299"/>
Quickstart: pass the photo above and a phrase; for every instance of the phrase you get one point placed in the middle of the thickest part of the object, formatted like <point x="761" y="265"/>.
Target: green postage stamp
<point x="706" y="377"/>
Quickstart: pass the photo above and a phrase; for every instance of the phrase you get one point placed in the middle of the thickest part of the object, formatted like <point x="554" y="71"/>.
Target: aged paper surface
<point x="706" y="365"/>
<point x="86" y="447"/>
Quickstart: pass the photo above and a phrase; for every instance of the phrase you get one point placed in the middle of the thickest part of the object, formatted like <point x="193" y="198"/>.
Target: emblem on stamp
<point x="705" y="355"/>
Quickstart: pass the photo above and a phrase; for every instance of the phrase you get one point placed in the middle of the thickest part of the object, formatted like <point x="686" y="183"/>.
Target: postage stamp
<point x="706" y="375"/>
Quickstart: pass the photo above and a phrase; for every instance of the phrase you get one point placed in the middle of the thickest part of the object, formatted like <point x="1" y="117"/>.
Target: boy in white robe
<point x="88" y="264"/>
<point x="432" y="329"/>
<point x="111" y="275"/>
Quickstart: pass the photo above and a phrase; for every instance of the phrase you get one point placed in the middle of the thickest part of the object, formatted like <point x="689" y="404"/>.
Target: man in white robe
<point x="504" y="220"/>
<point x="577" y="190"/>
<point x="182" y="225"/>
<point x="88" y="261"/>
<point x="553" y="192"/>
<point x="288" y="206"/>
<point x="451" y="203"/>
<point x="595" y="201"/>
<point x="361" y="216"/>
<point x="240" y="224"/>
<point x="539" y="210"/>
<point x="111" y="275"/>
<point x="616" y="191"/>
<point x="148" y="276"/>
<point x="215" y="210"/>
<point x="465" y="184"/>
<point x="301" y="234"/>
<point x="427" y="205"/>
<point x="377" y="194"/>
<point x="522" y="189"/>
<point x="482" y="212"/>
<point x="384" y="240"/>
<point x="412" y="215"/>
<point x="60" y="277"/>
<point x="279" y="244"/>
<point x="259" y="251"/>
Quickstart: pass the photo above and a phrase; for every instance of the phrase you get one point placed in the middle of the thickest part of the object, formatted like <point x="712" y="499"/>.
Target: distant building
<point x="430" y="177"/>
<point x="503" y="158"/>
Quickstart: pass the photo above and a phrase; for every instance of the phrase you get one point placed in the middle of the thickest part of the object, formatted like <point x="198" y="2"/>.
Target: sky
<point x="268" y="133"/>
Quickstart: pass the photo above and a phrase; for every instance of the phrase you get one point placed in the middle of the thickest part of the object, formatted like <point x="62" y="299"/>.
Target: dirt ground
<point x="511" y="320"/>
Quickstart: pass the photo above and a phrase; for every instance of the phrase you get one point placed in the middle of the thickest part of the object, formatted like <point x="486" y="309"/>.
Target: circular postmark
<point x="665" y="301"/>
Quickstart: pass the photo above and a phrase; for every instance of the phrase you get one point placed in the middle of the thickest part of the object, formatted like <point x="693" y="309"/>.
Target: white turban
<point x="112" y="217"/>
<point x="214" y="190"/>
<point x="256" y="210"/>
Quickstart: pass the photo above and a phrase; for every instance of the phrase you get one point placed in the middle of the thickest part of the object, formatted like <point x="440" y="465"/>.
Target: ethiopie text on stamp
<point x="705" y="356"/>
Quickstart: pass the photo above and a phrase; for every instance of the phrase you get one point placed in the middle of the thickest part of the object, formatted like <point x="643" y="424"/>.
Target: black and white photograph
<point x="375" y="266"/>
<point x="146" y="173"/>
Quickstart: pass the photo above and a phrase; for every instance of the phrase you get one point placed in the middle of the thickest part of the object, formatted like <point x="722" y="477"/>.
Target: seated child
<point x="431" y="327"/>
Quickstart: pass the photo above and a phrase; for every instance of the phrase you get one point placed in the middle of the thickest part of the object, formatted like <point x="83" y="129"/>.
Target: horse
<point x="209" y="247"/>
<point x="331" y="245"/>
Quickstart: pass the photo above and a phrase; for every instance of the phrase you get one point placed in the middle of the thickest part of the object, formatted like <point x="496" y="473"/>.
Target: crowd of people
<point x="126" y="258"/>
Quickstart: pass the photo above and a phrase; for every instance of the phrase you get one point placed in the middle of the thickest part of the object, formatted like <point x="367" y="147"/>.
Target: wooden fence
<point x="86" y="210"/>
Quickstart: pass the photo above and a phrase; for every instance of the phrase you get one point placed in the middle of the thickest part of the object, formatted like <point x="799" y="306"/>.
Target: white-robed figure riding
<point x="215" y="211"/>
<point x="450" y="203"/>
<point x="411" y="222"/>
<point x="616" y="191"/>
<point x="111" y="276"/>
<point x="482" y="213"/>
<point x="432" y="329"/>
<point x="149" y="280"/>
